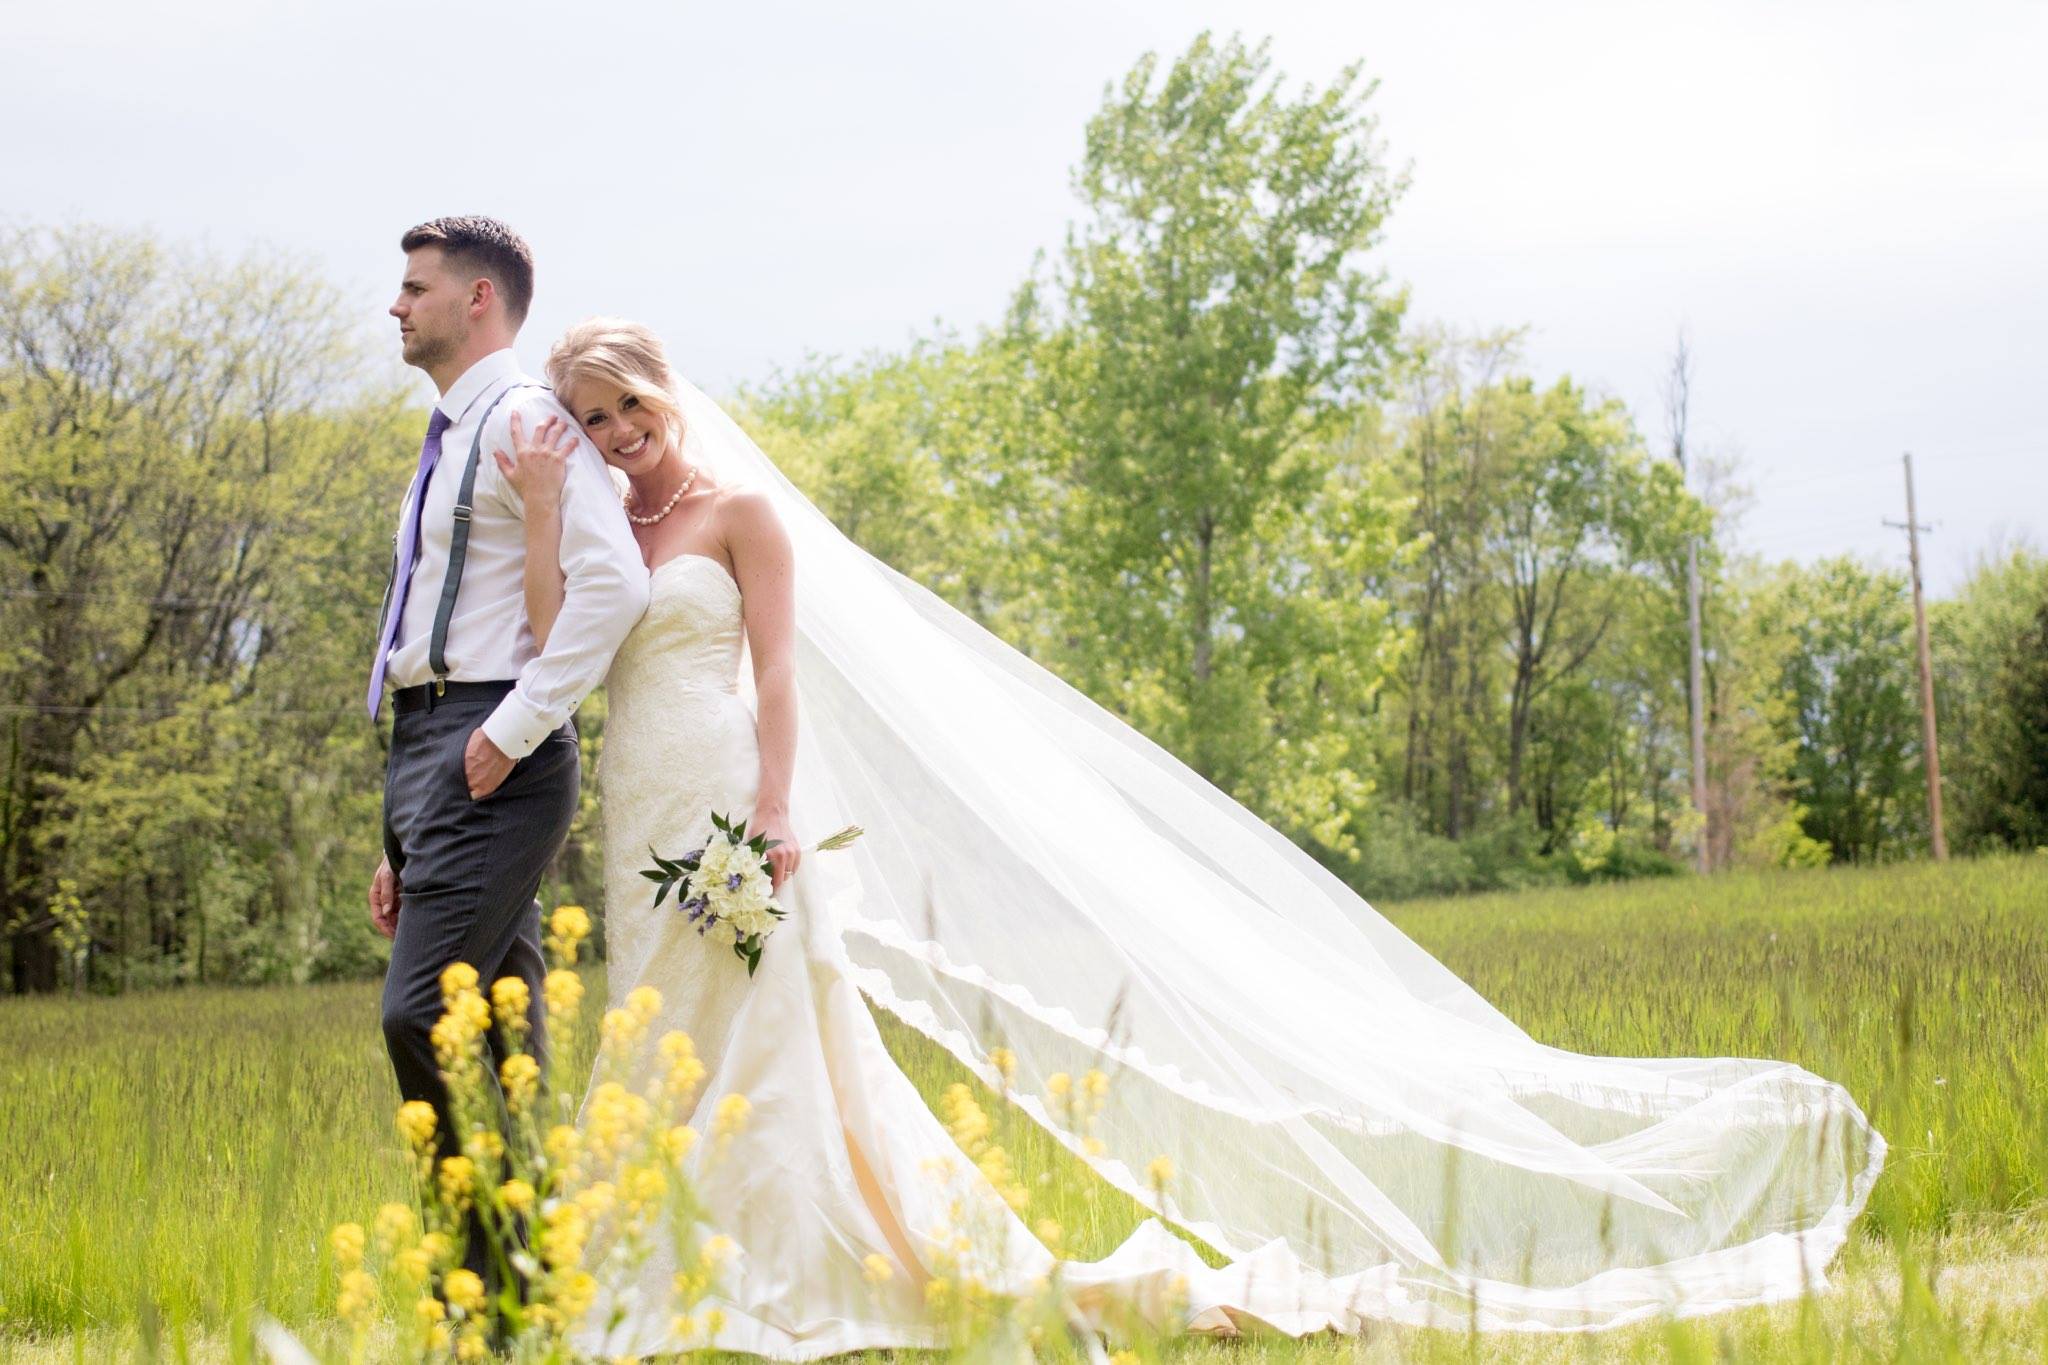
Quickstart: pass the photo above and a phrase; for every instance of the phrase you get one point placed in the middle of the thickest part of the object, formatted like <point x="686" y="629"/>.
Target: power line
<point x="1807" y="479"/>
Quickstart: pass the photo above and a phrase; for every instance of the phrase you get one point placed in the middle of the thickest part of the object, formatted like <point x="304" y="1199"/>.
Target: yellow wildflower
<point x="569" y="923"/>
<point x="622" y="1028"/>
<point x="458" y="1178"/>
<point x="1049" y="1232"/>
<point x="356" y="1297"/>
<point x="675" y="1143"/>
<point x="395" y="1227"/>
<point x="1096" y="1083"/>
<point x="483" y="1145"/>
<point x="347" y="1242"/>
<point x="464" y="1290"/>
<point x="416" y="1123"/>
<point x="452" y="1039"/>
<point x="430" y="1309"/>
<point x="1123" y="1358"/>
<point x="965" y="1119"/>
<point x="597" y="1200"/>
<point x="730" y="1116"/>
<point x="645" y="1185"/>
<point x="516" y="1195"/>
<point x="714" y="1323"/>
<point x="1005" y="1063"/>
<point x="715" y="1250"/>
<point x="439" y="1248"/>
<point x="563" y="1143"/>
<point x="437" y="1337"/>
<point x="520" y="1075"/>
<point x="936" y="1291"/>
<point x="1160" y="1172"/>
<point x="1057" y="1084"/>
<point x="576" y="1294"/>
<point x="413" y="1265"/>
<point x="564" y="992"/>
<point x="679" y="1055"/>
<point x="1092" y="1145"/>
<point x="470" y="1344"/>
<point x="511" y="999"/>
<point x="456" y="978"/>
<point x="643" y="1003"/>
<point x="564" y="1230"/>
<point x="995" y="1168"/>
<point x="877" y="1268"/>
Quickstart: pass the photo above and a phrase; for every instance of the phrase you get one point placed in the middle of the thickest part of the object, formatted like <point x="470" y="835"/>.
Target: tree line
<point x="1419" y="611"/>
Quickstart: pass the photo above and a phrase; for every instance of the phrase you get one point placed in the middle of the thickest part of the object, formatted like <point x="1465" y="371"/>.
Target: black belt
<point x="427" y="696"/>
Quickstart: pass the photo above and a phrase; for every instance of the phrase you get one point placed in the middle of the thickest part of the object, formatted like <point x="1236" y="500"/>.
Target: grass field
<point x="167" y="1161"/>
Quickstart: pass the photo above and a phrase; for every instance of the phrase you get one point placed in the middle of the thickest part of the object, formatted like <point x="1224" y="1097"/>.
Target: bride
<point x="1042" y="891"/>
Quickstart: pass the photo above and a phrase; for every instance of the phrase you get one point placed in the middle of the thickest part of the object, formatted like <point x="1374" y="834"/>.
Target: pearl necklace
<point x="667" y="507"/>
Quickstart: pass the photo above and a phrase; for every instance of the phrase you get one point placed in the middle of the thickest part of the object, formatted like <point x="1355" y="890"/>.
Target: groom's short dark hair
<point x="486" y="246"/>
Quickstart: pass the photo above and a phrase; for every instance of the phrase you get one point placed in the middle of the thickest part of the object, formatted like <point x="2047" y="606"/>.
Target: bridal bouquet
<point x="726" y="885"/>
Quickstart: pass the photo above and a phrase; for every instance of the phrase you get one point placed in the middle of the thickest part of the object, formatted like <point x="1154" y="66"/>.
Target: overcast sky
<point x="1845" y="205"/>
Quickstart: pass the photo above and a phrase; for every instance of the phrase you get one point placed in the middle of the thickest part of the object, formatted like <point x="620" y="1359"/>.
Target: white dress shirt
<point x="488" y="633"/>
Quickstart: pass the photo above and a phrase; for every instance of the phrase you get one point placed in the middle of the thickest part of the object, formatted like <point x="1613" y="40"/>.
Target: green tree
<point x="1543" y="607"/>
<point x="1208" y="326"/>
<point x="188" y="467"/>
<point x="1849" y="677"/>
<point x="1754" y="816"/>
<point x="1987" y="660"/>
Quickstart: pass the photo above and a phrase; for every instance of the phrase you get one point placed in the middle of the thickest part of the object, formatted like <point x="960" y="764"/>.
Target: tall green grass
<point x="1922" y="988"/>
<point x="179" y="1157"/>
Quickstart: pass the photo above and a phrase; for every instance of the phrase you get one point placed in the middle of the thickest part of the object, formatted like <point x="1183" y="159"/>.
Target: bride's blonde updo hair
<point x="625" y="354"/>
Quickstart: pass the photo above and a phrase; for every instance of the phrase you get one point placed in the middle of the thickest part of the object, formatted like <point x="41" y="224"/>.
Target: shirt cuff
<point x="516" y="727"/>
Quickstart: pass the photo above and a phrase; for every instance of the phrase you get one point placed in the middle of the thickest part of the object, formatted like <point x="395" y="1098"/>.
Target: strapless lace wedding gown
<point x="838" y="1159"/>
<point x="1355" y="1130"/>
<point x="842" y="1161"/>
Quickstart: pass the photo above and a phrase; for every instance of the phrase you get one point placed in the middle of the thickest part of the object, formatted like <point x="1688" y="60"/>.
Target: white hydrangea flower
<point x="713" y="867"/>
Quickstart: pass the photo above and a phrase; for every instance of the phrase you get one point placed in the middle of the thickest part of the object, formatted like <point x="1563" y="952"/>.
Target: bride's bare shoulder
<point x="749" y="523"/>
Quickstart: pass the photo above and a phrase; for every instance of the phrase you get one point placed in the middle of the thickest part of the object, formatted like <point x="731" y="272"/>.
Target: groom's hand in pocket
<point x="384" y="899"/>
<point x="484" y="765"/>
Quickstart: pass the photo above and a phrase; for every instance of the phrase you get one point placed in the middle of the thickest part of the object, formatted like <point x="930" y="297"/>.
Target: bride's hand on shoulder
<point x="538" y="464"/>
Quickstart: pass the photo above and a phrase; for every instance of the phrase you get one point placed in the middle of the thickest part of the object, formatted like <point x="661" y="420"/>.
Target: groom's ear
<point x="483" y="292"/>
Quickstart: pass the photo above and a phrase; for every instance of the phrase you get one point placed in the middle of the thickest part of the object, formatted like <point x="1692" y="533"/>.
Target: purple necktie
<point x="408" y="553"/>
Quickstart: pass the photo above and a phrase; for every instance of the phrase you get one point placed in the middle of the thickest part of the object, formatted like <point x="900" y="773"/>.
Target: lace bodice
<point x="690" y="636"/>
<point x="679" y="744"/>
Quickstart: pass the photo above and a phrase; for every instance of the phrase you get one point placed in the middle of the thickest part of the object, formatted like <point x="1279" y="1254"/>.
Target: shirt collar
<point x="475" y="380"/>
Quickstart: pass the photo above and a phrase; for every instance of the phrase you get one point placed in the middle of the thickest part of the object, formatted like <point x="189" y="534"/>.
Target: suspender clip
<point x="440" y="687"/>
<point x="461" y="512"/>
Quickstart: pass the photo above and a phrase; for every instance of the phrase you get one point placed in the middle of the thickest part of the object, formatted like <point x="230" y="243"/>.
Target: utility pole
<point x="1930" y="746"/>
<point x="1677" y="395"/>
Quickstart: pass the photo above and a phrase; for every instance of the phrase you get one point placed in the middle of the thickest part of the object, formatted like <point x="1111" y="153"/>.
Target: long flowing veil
<point x="1343" y="1115"/>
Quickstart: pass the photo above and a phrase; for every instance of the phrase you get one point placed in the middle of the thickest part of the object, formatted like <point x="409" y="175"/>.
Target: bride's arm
<point x="766" y="572"/>
<point x="536" y="469"/>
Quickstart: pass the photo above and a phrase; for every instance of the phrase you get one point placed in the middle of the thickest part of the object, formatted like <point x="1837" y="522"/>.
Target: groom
<point x="483" y="774"/>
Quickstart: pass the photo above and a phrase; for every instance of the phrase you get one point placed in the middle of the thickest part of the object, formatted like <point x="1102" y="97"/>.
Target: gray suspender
<point x="458" y="544"/>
